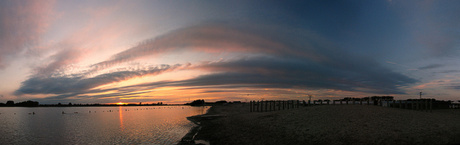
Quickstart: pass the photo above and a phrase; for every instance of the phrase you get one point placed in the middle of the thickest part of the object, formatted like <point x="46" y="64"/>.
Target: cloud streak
<point x="21" y="24"/>
<point x="431" y="66"/>
<point x="279" y="60"/>
<point x="79" y="84"/>
<point x="210" y="38"/>
<point x="302" y="73"/>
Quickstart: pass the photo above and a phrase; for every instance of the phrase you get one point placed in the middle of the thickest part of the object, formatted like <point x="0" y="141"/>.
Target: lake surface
<point x="96" y="125"/>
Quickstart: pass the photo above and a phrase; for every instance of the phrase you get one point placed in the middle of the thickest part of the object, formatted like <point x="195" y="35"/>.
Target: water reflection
<point x="96" y="125"/>
<point x="120" y="110"/>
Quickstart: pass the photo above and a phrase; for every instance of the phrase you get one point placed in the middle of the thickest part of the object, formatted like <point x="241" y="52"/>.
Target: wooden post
<point x="279" y="105"/>
<point x="361" y="102"/>
<point x="406" y="105"/>
<point x="412" y="102"/>
<point x="271" y="106"/>
<point x="368" y="101"/>
<point x="250" y="106"/>
<point x="341" y="102"/>
<point x="287" y="104"/>
<point x="426" y="105"/>
<point x="261" y="106"/>
<point x="284" y="104"/>
<point x="431" y="105"/>
<point x="419" y="104"/>
<point x="416" y="105"/>
<point x="265" y="106"/>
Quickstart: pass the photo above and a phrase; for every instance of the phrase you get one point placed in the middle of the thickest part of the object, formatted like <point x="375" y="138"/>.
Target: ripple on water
<point x="95" y="125"/>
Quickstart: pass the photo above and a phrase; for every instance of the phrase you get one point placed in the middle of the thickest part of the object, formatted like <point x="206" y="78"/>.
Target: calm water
<point x="104" y="125"/>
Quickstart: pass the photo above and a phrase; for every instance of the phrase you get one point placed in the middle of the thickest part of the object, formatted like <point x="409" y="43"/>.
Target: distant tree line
<point x="201" y="102"/>
<point x="22" y="104"/>
<point x="30" y="103"/>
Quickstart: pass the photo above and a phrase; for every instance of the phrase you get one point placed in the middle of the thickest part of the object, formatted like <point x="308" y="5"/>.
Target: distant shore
<point x="331" y="124"/>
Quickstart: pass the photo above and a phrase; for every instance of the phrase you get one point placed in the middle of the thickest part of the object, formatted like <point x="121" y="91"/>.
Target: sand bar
<point x="331" y="124"/>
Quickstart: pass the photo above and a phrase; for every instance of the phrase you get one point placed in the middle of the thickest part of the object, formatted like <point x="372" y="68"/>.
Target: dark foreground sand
<point x="330" y="124"/>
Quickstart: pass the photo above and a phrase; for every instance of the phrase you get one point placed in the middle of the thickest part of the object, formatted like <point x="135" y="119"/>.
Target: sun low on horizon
<point x="121" y="103"/>
<point x="178" y="51"/>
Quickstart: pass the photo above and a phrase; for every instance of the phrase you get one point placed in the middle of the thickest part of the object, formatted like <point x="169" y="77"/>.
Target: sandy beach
<point x="330" y="124"/>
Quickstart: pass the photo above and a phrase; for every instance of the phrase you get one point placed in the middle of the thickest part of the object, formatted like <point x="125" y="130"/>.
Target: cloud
<point x="21" y="24"/>
<point x="431" y="66"/>
<point x="455" y="87"/>
<point x="79" y="84"/>
<point x="59" y="60"/>
<point x="434" y="25"/>
<point x="210" y="38"/>
<point x="450" y="71"/>
<point x="302" y="73"/>
<point x="278" y="73"/>
<point x="276" y="58"/>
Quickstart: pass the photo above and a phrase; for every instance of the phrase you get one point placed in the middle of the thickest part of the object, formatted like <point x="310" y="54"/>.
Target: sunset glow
<point x="121" y="103"/>
<point x="176" y="51"/>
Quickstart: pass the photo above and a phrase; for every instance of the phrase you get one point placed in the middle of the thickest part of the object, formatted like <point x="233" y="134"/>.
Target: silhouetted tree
<point x="220" y="102"/>
<point x="197" y="103"/>
<point x="28" y="103"/>
<point x="10" y="103"/>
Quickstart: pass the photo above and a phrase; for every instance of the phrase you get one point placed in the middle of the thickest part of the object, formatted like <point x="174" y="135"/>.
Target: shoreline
<point x="331" y="124"/>
<point x="190" y="137"/>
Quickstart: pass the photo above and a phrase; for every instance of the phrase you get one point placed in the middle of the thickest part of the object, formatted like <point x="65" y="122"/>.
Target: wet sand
<point x="330" y="124"/>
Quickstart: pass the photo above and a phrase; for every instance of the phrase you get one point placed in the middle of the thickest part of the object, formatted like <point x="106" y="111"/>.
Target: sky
<point x="240" y="50"/>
